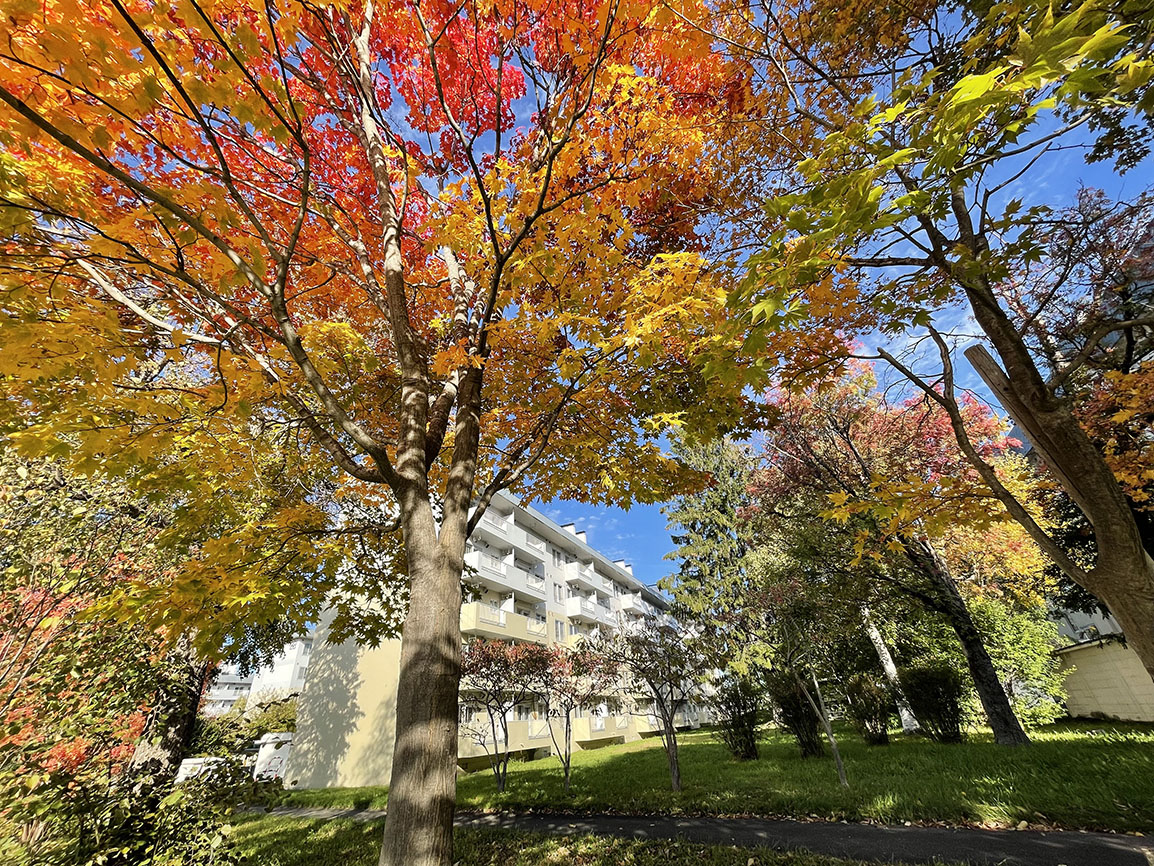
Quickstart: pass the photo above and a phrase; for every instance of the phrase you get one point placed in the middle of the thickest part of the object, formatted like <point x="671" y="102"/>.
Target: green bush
<point x="935" y="693"/>
<point x="739" y="704"/>
<point x="74" y="819"/>
<point x="794" y="712"/>
<point x="870" y="705"/>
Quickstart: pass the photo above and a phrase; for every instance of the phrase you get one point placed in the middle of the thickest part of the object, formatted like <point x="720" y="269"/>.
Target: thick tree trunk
<point x="1003" y="722"/>
<point x="423" y="785"/>
<point x="910" y="724"/>
<point x="1123" y="573"/>
<point x="169" y="726"/>
<point x="1133" y="607"/>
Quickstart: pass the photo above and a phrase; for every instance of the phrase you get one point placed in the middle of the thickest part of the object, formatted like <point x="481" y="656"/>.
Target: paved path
<point x="860" y="841"/>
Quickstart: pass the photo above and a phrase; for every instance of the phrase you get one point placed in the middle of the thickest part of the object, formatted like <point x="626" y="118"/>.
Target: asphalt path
<point x="870" y="842"/>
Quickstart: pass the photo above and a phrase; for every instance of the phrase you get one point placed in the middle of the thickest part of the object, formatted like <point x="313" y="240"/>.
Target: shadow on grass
<point x="1076" y="776"/>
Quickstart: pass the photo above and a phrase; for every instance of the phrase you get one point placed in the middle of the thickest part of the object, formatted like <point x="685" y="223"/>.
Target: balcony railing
<point x="496" y="521"/>
<point x="535" y="627"/>
<point x="492" y="615"/>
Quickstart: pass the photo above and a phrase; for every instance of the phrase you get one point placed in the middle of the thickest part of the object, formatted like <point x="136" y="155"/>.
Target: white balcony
<point x="635" y="604"/>
<point x="581" y="610"/>
<point x="586" y="610"/>
<point x="481" y="620"/>
<point x="582" y="576"/>
<point x="504" y="577"/>
<point x="494" y="527"/>
<point x="527" y="544"/>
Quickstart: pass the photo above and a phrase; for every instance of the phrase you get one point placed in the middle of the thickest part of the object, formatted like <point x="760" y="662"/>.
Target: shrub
<point x="935" y="693"/>
<point x="69" y="818"/>
<point x="870" y="706"/>
<point x="739" y="707"/>
<point x="794" y="712"/>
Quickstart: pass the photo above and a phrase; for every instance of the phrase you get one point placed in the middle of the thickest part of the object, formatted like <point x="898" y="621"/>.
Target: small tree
<point x="739" y="705"/>
<point x="794" y="712"/>
<point x="499" y="675"/>
<point x="668" y="664"/>
<point x="937" y="693"/>
<point x="573" y="678"/>
<point x="870" y="705"/>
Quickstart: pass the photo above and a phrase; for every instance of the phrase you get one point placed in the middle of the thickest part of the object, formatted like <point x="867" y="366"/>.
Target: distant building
<point x="284" y="677"/>
<point x="537" y="582"/>
<point x="1106" y="679"/>
<point x="228" y="687"/>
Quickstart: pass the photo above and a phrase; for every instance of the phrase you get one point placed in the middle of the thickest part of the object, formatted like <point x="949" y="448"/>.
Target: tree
<point x="739" y="704"/>
<point x="340" y="225"/>
<point x="664" y="664"/>
<point x="499" y="675"/>
<point x="922" y="503"/>
<point x="573" y="678"/>
<point x="905" y="208"/>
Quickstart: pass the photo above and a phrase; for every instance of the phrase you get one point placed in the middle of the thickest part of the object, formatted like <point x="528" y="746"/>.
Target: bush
<point x="870" y="706"/>
<point x="794" y="712"/>
<point x="739" y="707"/>
<point x="935" y="694"/>
<point x="66" y="818"/>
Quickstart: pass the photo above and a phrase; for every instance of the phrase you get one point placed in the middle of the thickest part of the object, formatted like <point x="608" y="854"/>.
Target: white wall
<point x="1107" y="678"/>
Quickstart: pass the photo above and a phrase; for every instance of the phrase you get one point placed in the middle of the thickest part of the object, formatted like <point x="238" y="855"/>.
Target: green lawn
<point x="273" y="841"/>
<point x="1080" y="776"/>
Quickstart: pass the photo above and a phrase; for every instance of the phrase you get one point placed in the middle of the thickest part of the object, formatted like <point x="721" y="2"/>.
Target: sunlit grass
<point x="274" y="841"/>
<point x="1083" y="776"/>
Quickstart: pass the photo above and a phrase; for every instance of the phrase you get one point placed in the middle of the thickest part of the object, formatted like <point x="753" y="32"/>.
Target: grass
<point x="1094" y="776"/>
<point x="274" y="841"/>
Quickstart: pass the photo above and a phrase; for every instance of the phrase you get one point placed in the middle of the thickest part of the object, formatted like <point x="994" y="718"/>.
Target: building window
<point x="574" y="629"/>
<point x="557" y="560"/>
<point x="559" y="630"/>
<point x="557" y="592"/>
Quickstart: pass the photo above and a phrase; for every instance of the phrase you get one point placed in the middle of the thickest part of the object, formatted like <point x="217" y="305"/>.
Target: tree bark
<point x="168" y="729"/>
<point x="423" y="784"/>
<point x="1123" y="573"/>
<point x="819" y="710"/>
<point x="670" y="738"/>
<point x="910" y="724"/>
<point x="1003" y="722"/>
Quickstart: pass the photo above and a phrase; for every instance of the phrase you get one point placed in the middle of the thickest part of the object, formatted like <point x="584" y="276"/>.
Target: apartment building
<point x="527" y="579"/>
<point x="283" y="677"/>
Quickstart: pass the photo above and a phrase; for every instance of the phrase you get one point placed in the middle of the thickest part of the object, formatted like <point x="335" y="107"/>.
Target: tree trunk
<point x="568" y="758"/>
<point x="423" y="785"/>
<point x="818" y="708"/>
<point x="1003" y="722"/>
<point x="1123" y="572"/>
<point x="1133" y="607"/>
<point x="670" y="743"/>
<point x="168" y="729"/>
<point x="910" y="723"/>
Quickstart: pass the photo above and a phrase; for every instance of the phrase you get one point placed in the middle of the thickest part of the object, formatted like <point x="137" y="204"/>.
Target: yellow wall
<point x="1108" y="679"/>
<point x="346" y="716"/>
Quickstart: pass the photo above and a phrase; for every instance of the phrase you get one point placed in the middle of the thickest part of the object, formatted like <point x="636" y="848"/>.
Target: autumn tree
<point x="903" y="207"/>
<point x="922" y="503"/>
<point x="434" y="249"/>
<point x="498" y="675"/>
<point x="573" y="678"/>
<point x="715" y="529"/>
<point x="664" y="665"/>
